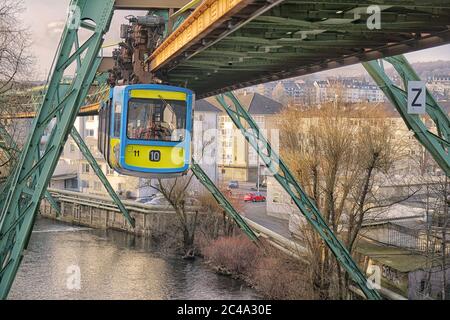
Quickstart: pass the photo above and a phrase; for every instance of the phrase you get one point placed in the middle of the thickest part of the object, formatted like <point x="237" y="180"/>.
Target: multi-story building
<point x="415" y="161"/>
<point x="439" y="85"/>
<point x="205" y="139"/>
<point x="347" y="90"/>
<point x="264" y="89"/>
<point x="237" y="160"/>
<point x="294" y="93"/>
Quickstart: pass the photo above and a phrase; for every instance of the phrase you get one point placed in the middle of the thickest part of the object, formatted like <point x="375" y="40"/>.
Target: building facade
<point x="237" y="160"/>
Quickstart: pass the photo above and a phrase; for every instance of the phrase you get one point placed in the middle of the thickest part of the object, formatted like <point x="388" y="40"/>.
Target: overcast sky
<point x="45" y="19"/>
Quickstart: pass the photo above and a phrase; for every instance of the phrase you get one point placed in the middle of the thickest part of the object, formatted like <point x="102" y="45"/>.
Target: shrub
<point x="281" y="278"/>
<point x="237" y="255"/>
<point x="275" y="275"/>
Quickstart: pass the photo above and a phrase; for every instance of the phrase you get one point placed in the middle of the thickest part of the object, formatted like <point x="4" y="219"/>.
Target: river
<point x="71" y="262"/>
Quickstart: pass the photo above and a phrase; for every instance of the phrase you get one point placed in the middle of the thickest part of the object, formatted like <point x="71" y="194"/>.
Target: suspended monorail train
<point x="145" y="130"/>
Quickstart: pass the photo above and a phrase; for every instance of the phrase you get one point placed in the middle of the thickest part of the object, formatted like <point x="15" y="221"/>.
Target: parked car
<point x="161" y="201"/>
<point x="254" y="197"/>
<point x="146" y="199"/>
<point x="262" y="184"/>
<point x="233" y="184"/>
<point x="158" y="201"/>
<point x="192" y="202"/>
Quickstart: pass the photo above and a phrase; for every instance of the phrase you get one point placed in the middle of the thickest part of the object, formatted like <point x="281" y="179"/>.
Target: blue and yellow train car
<point x="145" y="130"/>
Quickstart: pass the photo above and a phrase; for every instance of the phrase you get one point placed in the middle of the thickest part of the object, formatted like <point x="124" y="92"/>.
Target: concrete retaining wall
<point x="148" y="222"/>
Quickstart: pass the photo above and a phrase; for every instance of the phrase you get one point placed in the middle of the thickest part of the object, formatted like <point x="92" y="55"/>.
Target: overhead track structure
<point x="146" y="4"/>
<point x="227" y="45"/>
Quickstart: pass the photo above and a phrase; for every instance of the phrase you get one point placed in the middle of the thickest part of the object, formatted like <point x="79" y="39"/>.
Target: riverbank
<point x="113" y="265"/>
<point x="273" y="274"/>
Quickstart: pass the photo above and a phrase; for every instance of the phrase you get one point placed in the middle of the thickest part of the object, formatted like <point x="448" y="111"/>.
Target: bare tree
<point x="437" y="219"/>
<point x="338" y="152"/>
<point x="175" y="192"/>
<point x="14" y="44"/>
<point x="15" y="63"/>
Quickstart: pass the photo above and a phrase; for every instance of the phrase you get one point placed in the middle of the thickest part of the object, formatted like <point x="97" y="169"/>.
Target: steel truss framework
<point x="246" y="124"/>
<point x="98" y="171"/>
<point x="34" y="169"/>
<point x="11" y="145"/>
<point x="265" y="41"/>
<point x="437" y="144"/>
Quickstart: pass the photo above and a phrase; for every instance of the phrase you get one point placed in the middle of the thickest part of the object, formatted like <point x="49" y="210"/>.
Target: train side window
<point x="101" y="128"/>
<point x="117" y="118"/>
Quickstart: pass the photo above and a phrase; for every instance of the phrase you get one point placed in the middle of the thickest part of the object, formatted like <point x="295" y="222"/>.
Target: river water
<point x="70" y="262"/>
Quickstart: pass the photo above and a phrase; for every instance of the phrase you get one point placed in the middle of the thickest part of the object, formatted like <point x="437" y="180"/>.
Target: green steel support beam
<point x="32" y="174"/>
<point x="222" y="200"/>
<point x="11" y="144"/>
<point x="98" y="171"/>
<point x="242" y="119"/>
<point x="437" y="145"/>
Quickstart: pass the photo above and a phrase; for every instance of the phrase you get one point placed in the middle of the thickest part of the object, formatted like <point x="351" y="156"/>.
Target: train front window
<point x="156" y="119"/>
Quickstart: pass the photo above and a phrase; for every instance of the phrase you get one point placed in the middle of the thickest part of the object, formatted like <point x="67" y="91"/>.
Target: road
<point x="257" y="211"/>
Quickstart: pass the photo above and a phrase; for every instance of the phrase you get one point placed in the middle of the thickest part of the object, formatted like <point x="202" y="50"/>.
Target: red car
<point x="254" y="197"/>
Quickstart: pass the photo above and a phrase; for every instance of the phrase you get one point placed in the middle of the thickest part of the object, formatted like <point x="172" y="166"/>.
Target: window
<point x="91" y="118"/>
<point x="97" y="186"/>
<point x="276" y="198"/>
<point x="72" y="147"/>
<point x="153" y="119"/>
<point x="109" y="171"/>
<point x="423" y="285"/>
<point x="85" y="184"/>
<point x="117" y="115"/>
<point x="85" y="168"/>
<point x="71" y="183"/>
<point x="90" y="132"/>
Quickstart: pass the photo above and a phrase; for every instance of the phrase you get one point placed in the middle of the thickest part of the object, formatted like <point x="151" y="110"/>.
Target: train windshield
<point x="156" y="119"/>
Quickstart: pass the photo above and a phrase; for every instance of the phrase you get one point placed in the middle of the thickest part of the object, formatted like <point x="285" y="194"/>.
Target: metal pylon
<point x="98" y="171"/>
<point x="247" y="125"/>
<point x="437" y="144"/>
<point x="34" y="169"/>
<point x="222" y="200"/>
<point x="10" y="143"/>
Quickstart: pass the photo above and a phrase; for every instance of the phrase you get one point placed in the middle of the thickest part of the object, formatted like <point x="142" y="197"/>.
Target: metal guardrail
<point x="289" y="247"/>
<point x="104" y="202"/>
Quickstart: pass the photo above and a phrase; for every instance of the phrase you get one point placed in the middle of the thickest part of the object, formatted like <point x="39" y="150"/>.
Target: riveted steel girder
<point x="437" y="144"/>
<point x="338" y="31"/>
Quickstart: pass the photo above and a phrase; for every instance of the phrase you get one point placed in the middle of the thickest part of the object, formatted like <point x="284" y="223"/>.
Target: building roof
<point x="254" y="103"/>
<point x="260" y="104"/>
<point x="66" y="176"/>
<point x="205" y="106"/>
<point x="397" y="258"/>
